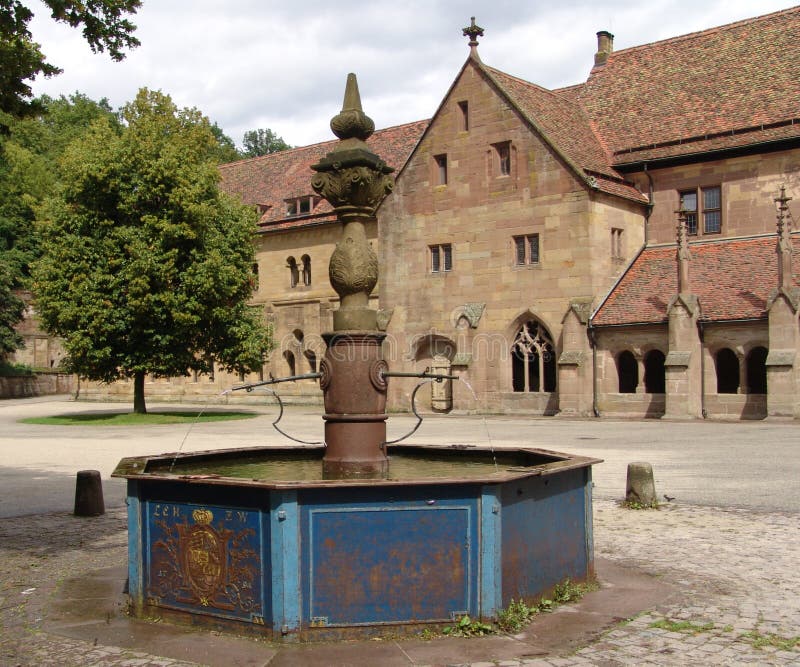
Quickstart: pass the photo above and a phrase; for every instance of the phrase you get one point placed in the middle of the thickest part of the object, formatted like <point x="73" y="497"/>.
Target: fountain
<point x="355" y="536"/>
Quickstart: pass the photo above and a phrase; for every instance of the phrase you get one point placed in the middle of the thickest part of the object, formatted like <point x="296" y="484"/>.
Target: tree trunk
<point x="138" y="393"/>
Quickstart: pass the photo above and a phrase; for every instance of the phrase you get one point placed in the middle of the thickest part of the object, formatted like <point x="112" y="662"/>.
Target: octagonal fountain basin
<point x="256" y="540"/>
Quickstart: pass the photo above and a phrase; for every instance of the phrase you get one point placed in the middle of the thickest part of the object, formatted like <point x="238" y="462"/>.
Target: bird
<point x="669" y="498"/>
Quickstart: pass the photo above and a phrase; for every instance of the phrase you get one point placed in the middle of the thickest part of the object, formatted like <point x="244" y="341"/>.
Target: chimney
<point x="605" y="45"/>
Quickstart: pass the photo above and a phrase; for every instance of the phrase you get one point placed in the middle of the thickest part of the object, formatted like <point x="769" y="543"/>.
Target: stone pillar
<point x="575" y="371"/>
<point x="784" y="339"/>
<point x="682" y="367"/>
<point x="782" y="359"/>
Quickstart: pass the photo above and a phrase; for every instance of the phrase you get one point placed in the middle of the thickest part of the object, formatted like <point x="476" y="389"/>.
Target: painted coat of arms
<point x="205" y="560"/>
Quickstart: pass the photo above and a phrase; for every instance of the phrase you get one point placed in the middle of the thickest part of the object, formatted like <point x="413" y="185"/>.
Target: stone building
<point x="530" y="243"/>
<point x="610" y="248"/>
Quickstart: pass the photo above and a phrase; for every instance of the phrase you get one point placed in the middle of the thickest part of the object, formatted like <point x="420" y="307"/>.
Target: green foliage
<point x="14" y="370"/>
<point x="147" y="266"/>
<point x="636" y="505"/>
<point x="519" y="613"/>
<point x="467" y="627"/>
<point x="262" y="142"/>
<point x="11" y="310"/>
<point x="29" y="166"/>
<point x="760" y="640"/>
<point x="103" y="25"/>
<point x="685" y="627"/>
<point x="133" y="419"/>
<point x="226" y="148"/>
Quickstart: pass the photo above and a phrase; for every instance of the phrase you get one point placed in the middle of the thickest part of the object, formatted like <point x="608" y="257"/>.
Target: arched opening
<point x="727" y="371"/>
<point x="627" y="372"/>
<point x="533" y="360"/>
<point x="757" y="371"/>
<point x="294" y="272"/>
<point x="654" y="376"/>
<point x="306" y="260"/>
<point x="312" y="360"/>
<point x="289" y="357"/>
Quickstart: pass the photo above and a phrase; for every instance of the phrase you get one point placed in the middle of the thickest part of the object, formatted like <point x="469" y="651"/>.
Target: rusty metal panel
<point x="206" y="559"/>
<point x="544" y="534"/>
<point x="408" y="557"/>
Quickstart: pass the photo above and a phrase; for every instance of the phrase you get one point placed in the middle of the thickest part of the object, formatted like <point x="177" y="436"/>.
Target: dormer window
<point x="300" y="205"/>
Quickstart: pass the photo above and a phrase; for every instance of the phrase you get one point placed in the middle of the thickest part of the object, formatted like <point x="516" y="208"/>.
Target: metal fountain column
<point x="354" y="180"/>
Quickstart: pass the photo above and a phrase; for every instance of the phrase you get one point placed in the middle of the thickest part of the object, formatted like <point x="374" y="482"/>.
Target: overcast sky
<point x="282" y="65"/>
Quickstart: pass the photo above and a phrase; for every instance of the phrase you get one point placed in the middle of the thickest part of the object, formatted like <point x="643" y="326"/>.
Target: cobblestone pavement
<point x="735" y="572"/>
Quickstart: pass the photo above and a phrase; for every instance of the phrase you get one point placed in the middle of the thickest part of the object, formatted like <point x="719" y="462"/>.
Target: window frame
<point x="440" y="258"/>
<point x="463" y="106"/>
<point x="530" y="258"/>
<point x="502" y="153"/>
<point x="701" y="211"/>
<point x="441" y="170"/>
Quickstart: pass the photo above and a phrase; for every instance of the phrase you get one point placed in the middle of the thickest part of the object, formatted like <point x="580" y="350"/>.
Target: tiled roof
<point x="268" y="181"/>
<point x="565" y="125"/>
<point x="731" y="278"/>
<point x="730" y="86"/>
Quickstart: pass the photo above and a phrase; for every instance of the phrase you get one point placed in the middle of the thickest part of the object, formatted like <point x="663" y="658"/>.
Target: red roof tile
<point x="728" y="82"/>
<point x="565" y="125"/>
<point x="268" y="181"/>
<point x="731" y="278"/>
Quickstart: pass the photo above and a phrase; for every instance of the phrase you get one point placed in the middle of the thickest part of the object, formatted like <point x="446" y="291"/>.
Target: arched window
<point x="727" y="371"/>
<point x="312" y="360"/>
<point x="289" y="356"/>
<point x="533" y="362"/>
<point x="654" y="378"/>
<point x="294" y="272"/>
<point x="757" y="371"/>
<point x="306" y="269"/>
<point x="627" y="372"/>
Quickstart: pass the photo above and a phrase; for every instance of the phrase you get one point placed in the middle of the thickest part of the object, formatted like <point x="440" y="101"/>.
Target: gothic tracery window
<point x="533" y="359"/>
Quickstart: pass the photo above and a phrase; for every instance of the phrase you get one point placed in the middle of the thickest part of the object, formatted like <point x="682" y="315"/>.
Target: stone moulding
<point x="678" y="359"/>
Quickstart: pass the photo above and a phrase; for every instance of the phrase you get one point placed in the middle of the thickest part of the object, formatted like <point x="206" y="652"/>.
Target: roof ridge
<point x="707" y="31"/>
<point x="318" y="143"/>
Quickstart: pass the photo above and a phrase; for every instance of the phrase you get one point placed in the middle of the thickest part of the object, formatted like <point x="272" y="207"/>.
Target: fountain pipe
<point x="272" y="380"/>
<point x="426" y="374"/>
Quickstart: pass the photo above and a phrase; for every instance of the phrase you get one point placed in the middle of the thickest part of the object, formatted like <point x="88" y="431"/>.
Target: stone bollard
<point x="640" y="488"/>
<point x="89" y="494"/>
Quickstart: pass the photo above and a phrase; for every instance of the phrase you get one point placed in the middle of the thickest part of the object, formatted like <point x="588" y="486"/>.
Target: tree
<point x="29" y="156"/>
<point x="262" y="142"/>
<point x="146" y="265"/>
<point x="11" y="308"/>
<point x="226" y="151"/>
<point x="104" y="27"/>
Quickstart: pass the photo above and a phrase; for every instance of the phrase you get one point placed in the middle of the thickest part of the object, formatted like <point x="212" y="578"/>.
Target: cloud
<point x="268" y="63"/>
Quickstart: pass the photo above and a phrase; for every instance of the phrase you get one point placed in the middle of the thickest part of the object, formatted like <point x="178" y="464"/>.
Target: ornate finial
<point x="783" y="207"/>
<point x="682" y="214"/>
<point x="354" y="180"/>
<point x="352" y="122"/>
<point x="683" y="250"/>
<point x="473" y="31"/>
<point x="784" y="247"/>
